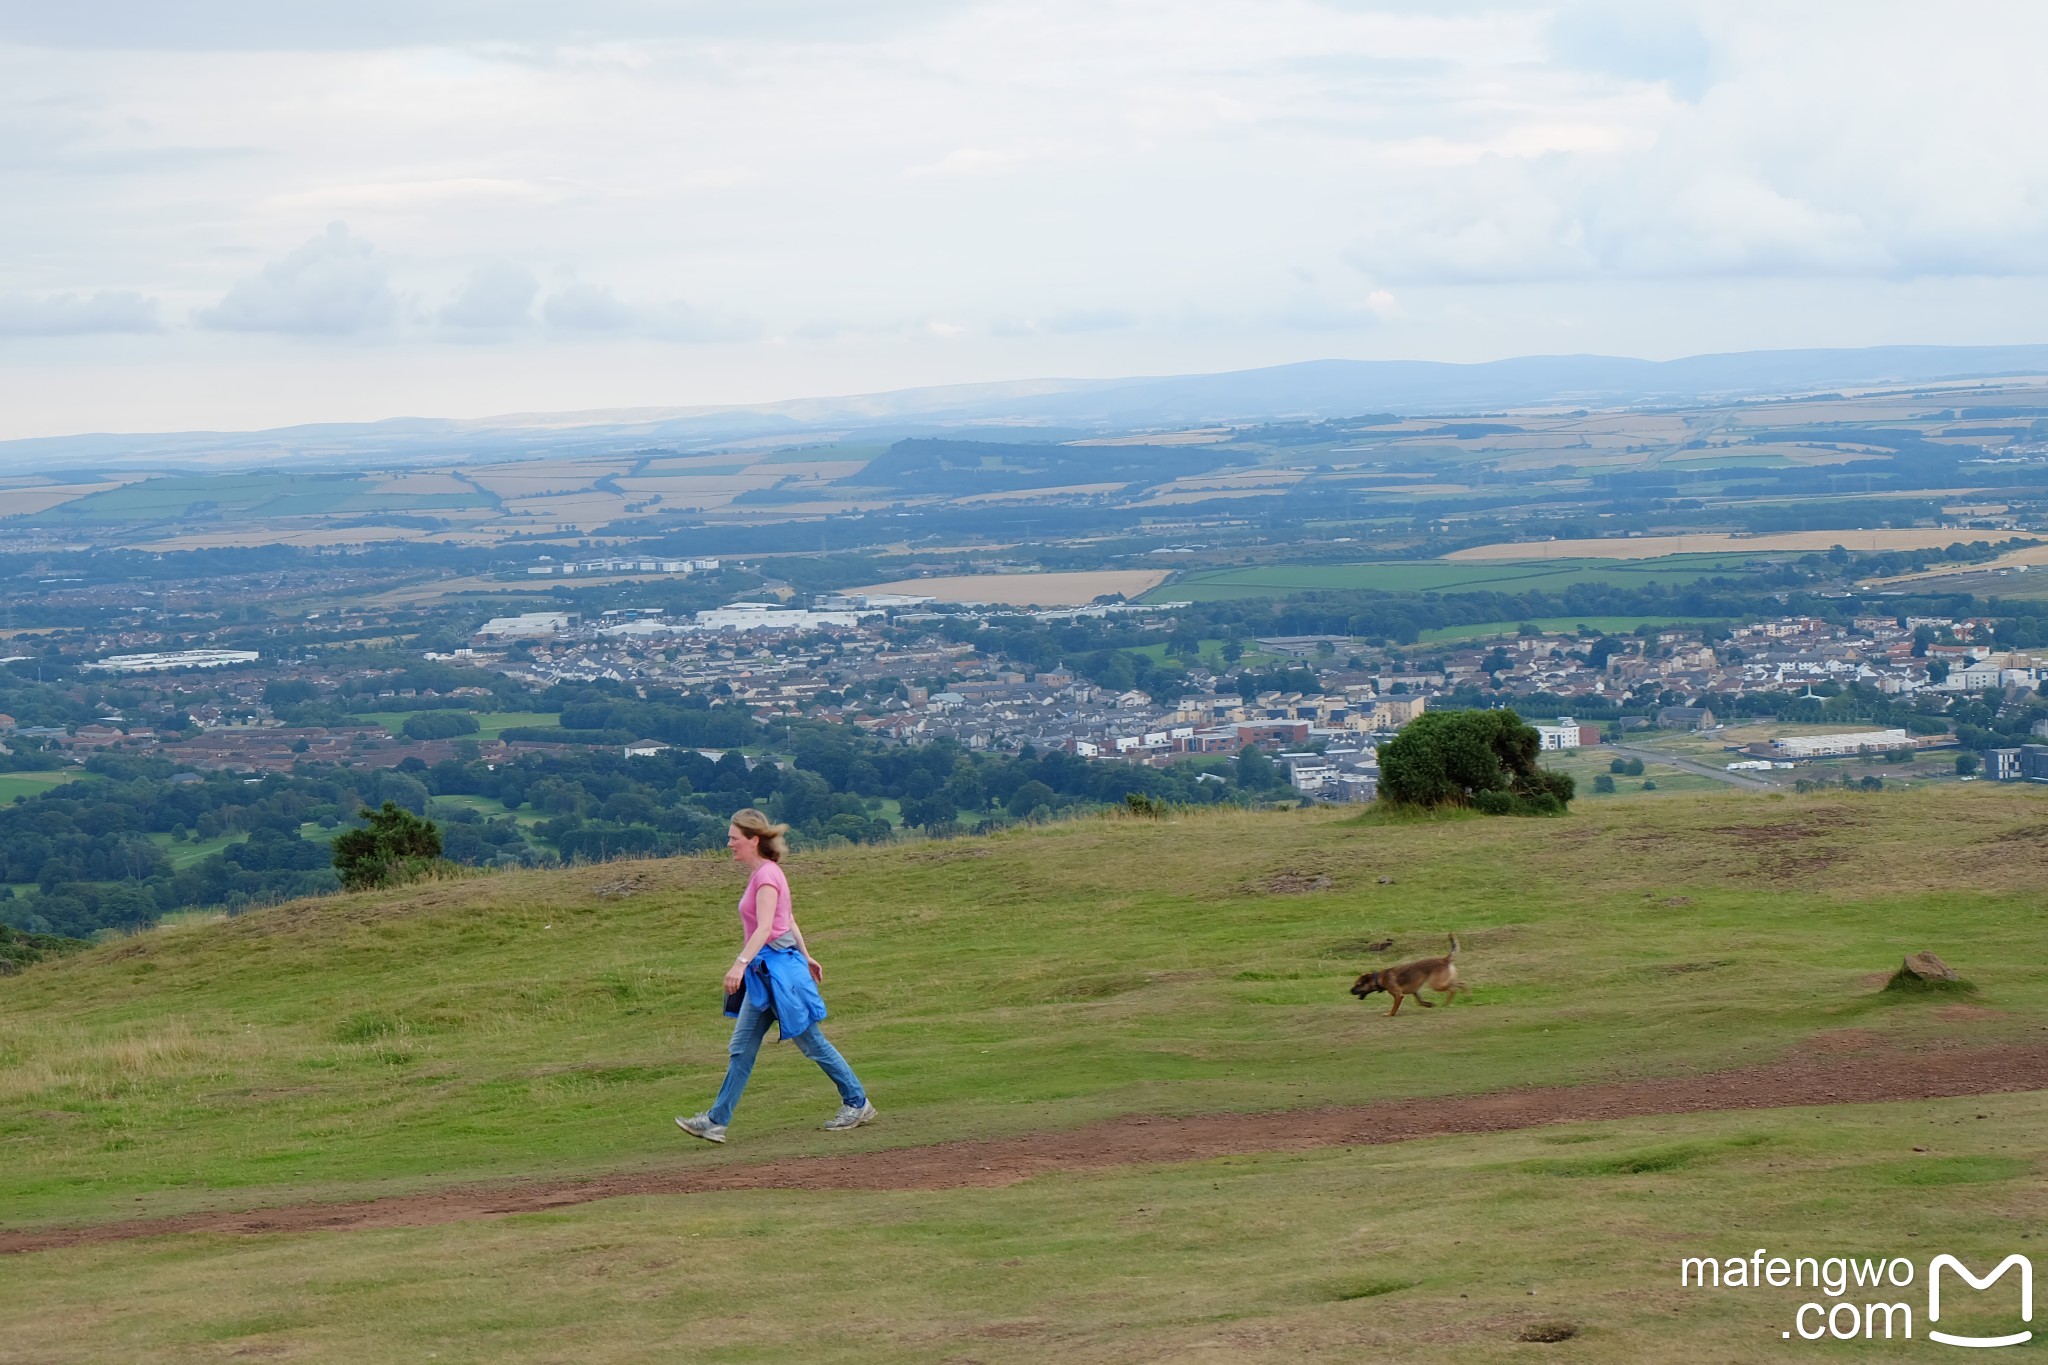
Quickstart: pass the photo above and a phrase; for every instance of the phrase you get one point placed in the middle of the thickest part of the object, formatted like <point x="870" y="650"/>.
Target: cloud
<point x="334" y="285"/>
<point x="1068" y="323"/>
<point x="262" y="25"/>
<point x="496" y="296"/>
<point x="108" y="310"/>
<point x="581" y="307"/>
<point x="586" y="308"/>
<point x="1636" y="41"/>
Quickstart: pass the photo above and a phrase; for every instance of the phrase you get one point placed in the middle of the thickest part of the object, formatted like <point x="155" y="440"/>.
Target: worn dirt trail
<point x="1864" y="1076"/>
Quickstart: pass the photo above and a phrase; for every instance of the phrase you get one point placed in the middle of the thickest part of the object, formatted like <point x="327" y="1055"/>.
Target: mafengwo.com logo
<point x="1870" y="1298"/>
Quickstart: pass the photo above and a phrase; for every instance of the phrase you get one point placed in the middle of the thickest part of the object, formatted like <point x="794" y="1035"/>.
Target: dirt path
<point x="1866" y="1076"/>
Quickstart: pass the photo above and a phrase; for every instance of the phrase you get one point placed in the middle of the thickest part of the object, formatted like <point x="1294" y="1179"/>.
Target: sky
<point x="227" y="214"/>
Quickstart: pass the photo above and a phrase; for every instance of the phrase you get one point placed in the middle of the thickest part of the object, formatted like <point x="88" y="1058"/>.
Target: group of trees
<point x="110" y="849"/>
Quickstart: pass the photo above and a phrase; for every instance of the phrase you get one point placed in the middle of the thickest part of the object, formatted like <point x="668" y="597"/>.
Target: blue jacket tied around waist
<point x="780" y="981"/>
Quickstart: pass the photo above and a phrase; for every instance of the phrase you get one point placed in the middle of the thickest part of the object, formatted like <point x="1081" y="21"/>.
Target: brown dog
<point x="1440" y="974"/>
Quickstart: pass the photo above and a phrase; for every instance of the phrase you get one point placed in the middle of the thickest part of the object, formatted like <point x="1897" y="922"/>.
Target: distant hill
<point x="1060" y="407"/>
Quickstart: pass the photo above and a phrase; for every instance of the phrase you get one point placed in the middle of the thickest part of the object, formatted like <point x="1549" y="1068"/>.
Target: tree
<point x="1604" y="784"/>
<point x="396" y="846"/>
<point x="1485" y="759"/>
<point x="1967" y="765"/>
<point x="439" y="725"/>
<point x="1256" y="772"/>
<point x="1030" y="797"/>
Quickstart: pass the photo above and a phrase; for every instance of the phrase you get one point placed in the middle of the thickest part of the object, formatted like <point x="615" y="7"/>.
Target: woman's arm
<point x="817" y="970"/>
<point x="764" y="929"/>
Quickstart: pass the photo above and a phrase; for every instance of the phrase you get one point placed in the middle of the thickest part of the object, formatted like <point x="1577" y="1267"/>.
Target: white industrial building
<point x="745" y="616"/>
<point x="1849" y="742"/>
<point x="533" y="625"/>
<point x="183" y="658"/>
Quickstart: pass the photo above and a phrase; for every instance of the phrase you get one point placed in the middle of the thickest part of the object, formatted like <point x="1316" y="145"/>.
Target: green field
<point x="268" y="494"/>
<point x="1554" y="625"/>
<point x="548" y="1024"/>
<point x="14" y="785"/>
<point x="1437" y="575"/>
<point x="490" y="724"/>
<point x="193" y="850"/>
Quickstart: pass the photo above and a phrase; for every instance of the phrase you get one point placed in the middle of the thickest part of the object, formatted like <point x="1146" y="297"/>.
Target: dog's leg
<point x="1398" y="997"/>
<point x="1424" y="1003"/>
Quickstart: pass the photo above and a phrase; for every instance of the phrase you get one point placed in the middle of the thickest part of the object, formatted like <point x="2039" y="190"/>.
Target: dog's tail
<point x="1452" y="956"/>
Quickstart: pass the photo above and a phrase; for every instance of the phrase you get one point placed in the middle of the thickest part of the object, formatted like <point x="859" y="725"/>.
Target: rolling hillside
<point x="455" y="1100"/>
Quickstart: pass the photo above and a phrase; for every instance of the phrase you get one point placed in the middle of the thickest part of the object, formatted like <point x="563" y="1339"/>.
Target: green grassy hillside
<point x="550" y="1023"/>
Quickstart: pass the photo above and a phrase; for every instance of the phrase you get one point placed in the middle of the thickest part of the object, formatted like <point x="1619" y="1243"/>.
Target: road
<point x="1686" y="765"/>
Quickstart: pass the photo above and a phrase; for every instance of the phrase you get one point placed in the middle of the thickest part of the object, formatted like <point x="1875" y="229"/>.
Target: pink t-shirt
<point x="767" y="874"/>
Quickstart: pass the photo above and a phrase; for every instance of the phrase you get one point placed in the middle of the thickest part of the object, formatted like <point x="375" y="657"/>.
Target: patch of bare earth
<point x="1822" y="1076"/>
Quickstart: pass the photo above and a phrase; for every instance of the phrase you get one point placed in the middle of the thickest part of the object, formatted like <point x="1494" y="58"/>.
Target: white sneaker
<point x="848" y="1117"/>
<point x="702" y="1126"/>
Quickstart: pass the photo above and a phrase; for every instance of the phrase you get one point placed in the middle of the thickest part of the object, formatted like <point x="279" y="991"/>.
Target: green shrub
<point x="396" y="846"/>
<point x="1482" y="759"/>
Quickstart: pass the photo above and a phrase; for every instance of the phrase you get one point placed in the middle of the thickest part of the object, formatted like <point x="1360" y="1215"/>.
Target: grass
<point x="522" y="1024"/>
<point x="1301" y="1256"/>
<point x="194" y="850"/>
<point x="1585" y="765"/>
<point x="490" y="724"/>
<point x="1435" y="575"/>
<point x="268" y="494"/>
<point x="14" y="785"/>
<point x="1553" y="625"/>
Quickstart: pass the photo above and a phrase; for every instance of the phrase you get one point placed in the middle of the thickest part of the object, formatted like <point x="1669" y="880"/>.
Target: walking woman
<point x="773" y="980"/>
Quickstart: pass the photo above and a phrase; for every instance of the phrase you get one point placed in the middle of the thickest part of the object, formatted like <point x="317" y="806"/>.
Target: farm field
<point x="1065" y="589"/>
<point x="1435" y="575"/>
<point x="543" y="1026"/>
<point x="1655" y="547"/>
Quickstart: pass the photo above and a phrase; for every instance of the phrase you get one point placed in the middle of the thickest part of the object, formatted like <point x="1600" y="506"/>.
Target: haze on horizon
<point x="234" y="215"/>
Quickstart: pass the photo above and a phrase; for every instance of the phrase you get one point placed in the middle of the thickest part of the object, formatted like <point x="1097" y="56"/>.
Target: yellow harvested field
<point x="1202" y="436"/>
<point x="2031" y="556"/>
<point x="1029" y="589"/>
<point x="545" y="476"/>
<point x="1070" y="490"/>
<point x="21" y="502"/>
<point x="1704" y="543"/>
<point x="259" y="534"/>
<point x="424" y="484"/>
<point x="1208" y="495"/>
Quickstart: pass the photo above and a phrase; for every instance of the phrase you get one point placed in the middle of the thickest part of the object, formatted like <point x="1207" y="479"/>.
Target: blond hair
<point x="772" y="845"/>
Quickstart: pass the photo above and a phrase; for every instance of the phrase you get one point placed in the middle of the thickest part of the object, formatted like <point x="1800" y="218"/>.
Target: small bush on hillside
<point x="20" y="948"/>
<point x="396" y="846"/>
<point x="1482" y="759"/>
<point x="1138" y="803"/>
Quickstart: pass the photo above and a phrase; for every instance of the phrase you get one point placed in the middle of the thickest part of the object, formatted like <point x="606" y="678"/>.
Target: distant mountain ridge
<point x="1308" y="389"/>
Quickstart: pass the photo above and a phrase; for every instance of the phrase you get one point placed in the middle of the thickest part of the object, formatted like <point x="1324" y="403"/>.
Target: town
<point x="903" y="669"/>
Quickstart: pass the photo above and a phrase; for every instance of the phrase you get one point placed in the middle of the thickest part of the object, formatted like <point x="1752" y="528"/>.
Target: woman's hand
<point x="817" y="969"/>
<point x="735" y="977"/>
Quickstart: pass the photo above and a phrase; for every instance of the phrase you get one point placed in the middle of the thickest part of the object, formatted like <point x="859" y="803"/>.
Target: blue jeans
<point x="747" y="1032"/>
